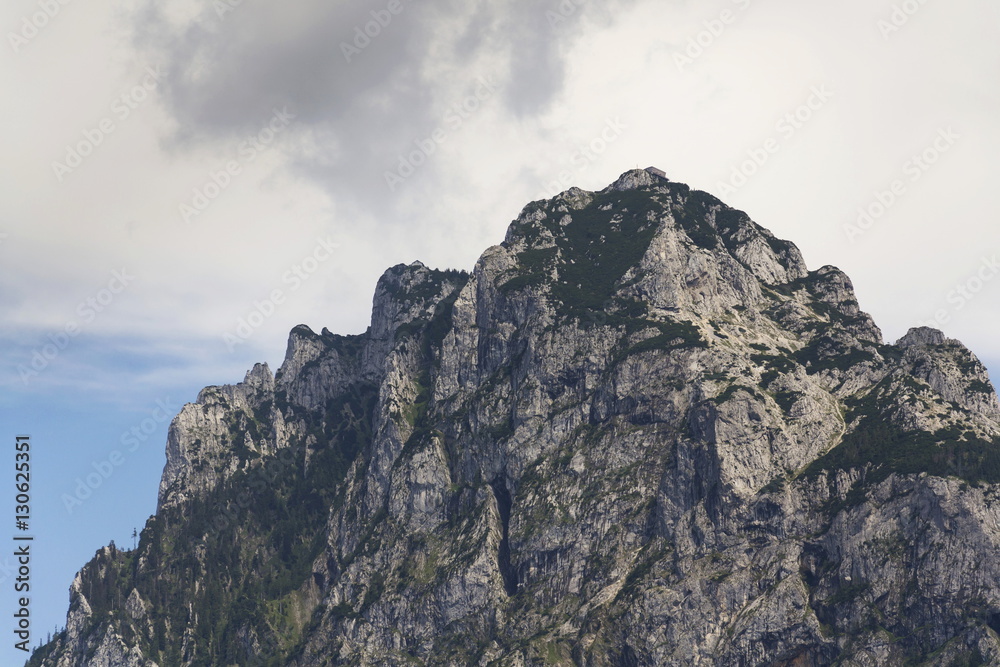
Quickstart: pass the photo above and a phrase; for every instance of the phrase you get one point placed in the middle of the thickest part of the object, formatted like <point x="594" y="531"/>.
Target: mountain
<point x="640" y="432"/>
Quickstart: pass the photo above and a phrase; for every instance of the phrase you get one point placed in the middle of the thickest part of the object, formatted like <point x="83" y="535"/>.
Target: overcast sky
<point x="169" y="168"/>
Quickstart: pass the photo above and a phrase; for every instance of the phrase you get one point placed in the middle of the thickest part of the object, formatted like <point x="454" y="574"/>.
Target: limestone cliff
<point x="640" y="432"/>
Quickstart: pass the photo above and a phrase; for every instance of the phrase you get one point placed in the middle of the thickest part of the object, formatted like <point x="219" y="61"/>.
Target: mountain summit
<point x="640" y="432"/>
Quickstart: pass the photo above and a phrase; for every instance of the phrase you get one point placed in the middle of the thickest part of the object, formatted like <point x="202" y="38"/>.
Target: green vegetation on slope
<point x="876" y="442"/>
<point x="262" y="529"/>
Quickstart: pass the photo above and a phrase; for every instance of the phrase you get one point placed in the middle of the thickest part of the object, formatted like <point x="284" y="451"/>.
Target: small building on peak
<point x="657" y="172"/>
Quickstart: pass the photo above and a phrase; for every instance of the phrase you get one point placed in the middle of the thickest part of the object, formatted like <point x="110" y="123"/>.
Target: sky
<point x="183" y="182"/>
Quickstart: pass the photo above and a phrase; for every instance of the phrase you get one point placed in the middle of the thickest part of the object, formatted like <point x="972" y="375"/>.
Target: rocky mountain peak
<point x="923" y="336"/>
<point x="635" y="179"/>
<point x="640" y="432"/>
<point x="259" y="379"/>
<point x="406" y="293"/>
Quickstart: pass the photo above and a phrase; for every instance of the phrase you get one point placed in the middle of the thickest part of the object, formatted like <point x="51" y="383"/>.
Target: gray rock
<point x="641" y="432"/>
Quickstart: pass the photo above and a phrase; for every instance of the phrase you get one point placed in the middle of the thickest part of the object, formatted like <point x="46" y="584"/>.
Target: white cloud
<point x="325" y="176"/>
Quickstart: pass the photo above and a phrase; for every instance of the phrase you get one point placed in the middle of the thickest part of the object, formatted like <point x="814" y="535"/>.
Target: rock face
<point x="640" y="432"/>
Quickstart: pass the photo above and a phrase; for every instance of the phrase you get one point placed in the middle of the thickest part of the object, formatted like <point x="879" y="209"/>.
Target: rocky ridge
<point x="639" y="432"/>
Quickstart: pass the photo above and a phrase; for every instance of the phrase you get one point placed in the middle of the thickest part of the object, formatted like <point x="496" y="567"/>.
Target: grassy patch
<point x="671" y="336"/>
<point x="981" y="387"/>
<point x="824" y="354"/>
<point x="787" y="399"/>
<point x="771" y="362"/>
<point x="730" y="391"/>
<point x="887" y="449"/>
<point x="596" y="252"/>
